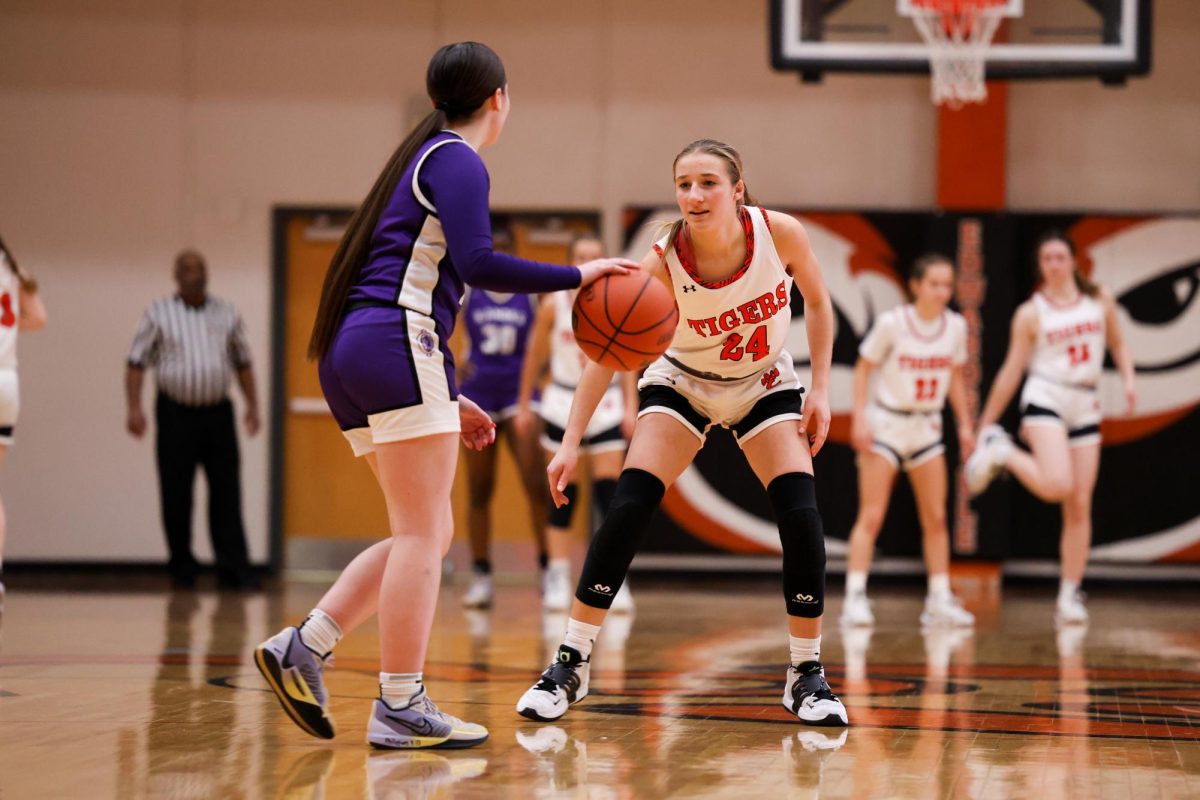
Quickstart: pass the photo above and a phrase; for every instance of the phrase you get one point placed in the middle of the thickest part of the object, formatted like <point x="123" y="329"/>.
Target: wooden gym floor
<point x="132" y="693"/>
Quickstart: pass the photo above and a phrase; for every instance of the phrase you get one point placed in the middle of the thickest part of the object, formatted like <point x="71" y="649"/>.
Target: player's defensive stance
<point x="919" y="350"/>
<point x="731" y="267"/>
<point x="387" y="311"/>
<point x="1058" y="337"/>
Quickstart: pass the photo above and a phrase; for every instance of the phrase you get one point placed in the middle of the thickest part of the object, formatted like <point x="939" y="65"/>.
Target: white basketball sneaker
<point x="806" y="694"/>
<point x="988" y="459"/>
<point x="564" y="682"/>
<point x="480" y="593"/>
<point x="556" y="590"/>
<point x="856" y="611"/>
<point x="1070" y="610"/>
<point x="945" y="611"/>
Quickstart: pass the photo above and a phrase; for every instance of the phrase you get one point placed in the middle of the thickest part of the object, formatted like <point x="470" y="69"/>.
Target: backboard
<point x="1107" y="39"/>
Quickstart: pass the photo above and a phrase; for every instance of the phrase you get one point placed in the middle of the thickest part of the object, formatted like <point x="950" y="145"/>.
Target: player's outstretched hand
<point x="815" y="424"/>
<point x="560" y="471"/>
<point x="593" y="270"/>
<point x="478" y="429"/>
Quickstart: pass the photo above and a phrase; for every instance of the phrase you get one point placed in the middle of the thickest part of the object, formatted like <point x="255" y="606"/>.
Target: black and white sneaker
<point x="807" y="695"/>
<point x="564" y="682"/>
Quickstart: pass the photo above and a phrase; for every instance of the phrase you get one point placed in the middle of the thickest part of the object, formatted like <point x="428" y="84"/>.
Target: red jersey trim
<point x="1072" y="304"/>
<point x="912" y="326"/>
<point x="683" y="249"/>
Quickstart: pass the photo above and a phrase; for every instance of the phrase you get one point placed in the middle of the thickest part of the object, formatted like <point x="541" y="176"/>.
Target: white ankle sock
<point x="939" y="586"/>
<point x="559" y="565"/>
<point x="1067" y="590"/>
<point x="580" y="635"/>
<point x="804" y="649"/>
<point x="397" y="688"/>
<point x="320" y="632"/>
<point x="856" y="581"/>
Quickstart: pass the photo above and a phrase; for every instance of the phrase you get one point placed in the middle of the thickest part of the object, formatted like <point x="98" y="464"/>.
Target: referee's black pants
<point x="206" y="436"/>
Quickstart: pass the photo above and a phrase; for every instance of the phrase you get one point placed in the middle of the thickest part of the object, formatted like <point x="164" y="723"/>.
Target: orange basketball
<point x="624" y="322"/>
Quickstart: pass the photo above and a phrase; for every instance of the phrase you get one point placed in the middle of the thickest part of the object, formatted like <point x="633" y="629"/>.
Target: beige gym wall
<point x="131" y="129"/>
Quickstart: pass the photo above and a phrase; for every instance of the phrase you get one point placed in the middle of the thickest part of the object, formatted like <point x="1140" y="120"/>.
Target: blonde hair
<point x="733" y="164"/>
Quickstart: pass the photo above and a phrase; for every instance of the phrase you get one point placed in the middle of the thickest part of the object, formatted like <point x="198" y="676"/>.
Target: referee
<point x="196" y="344"/>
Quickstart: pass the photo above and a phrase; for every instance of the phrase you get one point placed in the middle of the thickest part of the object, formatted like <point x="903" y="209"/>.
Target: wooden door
<point x="327" y="492"/>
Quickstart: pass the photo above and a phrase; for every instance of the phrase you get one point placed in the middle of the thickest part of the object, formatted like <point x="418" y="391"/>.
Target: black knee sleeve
<point x="794" y="499"/>
<point x="603" y="492"/>
<point x="561" y="517"/>
<point x="637" y="494"/>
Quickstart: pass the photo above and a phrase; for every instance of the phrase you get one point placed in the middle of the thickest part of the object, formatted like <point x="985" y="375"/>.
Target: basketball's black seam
<point x="674" y="311"/>
<point x="614" y="355"/>
<point x="628" y="311"/>
<point x="582" y="313"/>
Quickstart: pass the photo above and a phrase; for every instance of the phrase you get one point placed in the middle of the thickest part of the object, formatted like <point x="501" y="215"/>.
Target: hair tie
<point x="442" y="105"/>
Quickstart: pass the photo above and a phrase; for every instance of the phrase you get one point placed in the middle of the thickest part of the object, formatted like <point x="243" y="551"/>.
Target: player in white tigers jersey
<point x="552" y="342"/>
<point x="730" y="266"/>
<point x="1059" y="337"/>
<point x="21" y="310"/>
<point x="1065" y="367"/>
<point x="918" y="350"/>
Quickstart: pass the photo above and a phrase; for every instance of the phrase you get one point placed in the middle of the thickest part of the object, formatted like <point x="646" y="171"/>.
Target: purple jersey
<point x="498" y="327"/>
<point x="436" y="233"/>
<point x="434" y="236"/>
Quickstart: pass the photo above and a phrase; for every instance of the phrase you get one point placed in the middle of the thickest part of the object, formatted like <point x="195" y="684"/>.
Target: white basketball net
<point x="959" y="33"/>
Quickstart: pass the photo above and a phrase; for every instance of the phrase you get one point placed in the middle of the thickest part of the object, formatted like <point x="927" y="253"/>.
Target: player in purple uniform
<point x="497" y="328"/>
<point x="387" y="310"/>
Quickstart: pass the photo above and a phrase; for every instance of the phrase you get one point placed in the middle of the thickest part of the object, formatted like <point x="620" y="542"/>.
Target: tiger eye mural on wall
<point x="1145" y="511"/>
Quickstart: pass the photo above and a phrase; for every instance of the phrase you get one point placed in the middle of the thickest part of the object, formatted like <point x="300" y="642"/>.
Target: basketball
<point x="624" y="322"/>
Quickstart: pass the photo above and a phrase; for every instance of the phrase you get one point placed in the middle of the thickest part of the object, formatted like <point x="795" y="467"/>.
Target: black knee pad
<point x="637" y="494"/>
<point x="794" y="500"/>
<point x="561" y="517"/>
<point x="603" y="492"/>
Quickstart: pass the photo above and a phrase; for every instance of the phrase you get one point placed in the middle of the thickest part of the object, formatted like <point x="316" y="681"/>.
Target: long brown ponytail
<point x="460" y="79"/>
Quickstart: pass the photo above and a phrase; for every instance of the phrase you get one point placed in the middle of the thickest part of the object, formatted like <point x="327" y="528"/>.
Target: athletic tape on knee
<point x="561" y="517"/>
<point x="612" y="549"/>
<point x="794" y="500"/>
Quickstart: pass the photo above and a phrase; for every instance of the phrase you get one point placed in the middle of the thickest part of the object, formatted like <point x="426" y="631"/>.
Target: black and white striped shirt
<point x="194" y="349"/>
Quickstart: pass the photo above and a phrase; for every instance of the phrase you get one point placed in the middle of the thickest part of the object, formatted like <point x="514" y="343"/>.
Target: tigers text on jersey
<point x="915" y="357"/>
<point x="10" y="313"/>
<point x="734" y="327"/>
<point x="1069" y="348"/>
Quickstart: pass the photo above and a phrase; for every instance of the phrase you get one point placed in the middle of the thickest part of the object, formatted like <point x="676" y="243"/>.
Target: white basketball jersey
<point x="915" y="357"/>
<point x="566" y="359"/>
<point x="10" y="313"/>
<point x="739" y="325"/>
<point x="1070" y="341"/>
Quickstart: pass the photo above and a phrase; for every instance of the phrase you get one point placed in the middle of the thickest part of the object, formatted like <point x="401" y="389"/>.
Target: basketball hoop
<point x="959" y="34"/>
